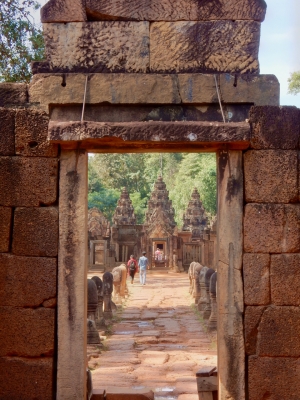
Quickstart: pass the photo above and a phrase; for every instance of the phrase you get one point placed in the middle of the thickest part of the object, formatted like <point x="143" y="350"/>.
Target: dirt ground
<point x="156" y="341"/>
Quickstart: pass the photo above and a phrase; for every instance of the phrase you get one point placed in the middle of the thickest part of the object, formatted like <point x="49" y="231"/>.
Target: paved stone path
<point x="159" y="342"/>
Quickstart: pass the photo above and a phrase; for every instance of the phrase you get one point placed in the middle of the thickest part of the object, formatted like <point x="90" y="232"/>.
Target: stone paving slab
<point x="159" y="343"/>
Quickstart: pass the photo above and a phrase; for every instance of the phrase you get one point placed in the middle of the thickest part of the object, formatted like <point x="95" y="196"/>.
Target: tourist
<point x="157" y="254"/>
<point x="132" y="266"/>
<point x="143" y="265"/>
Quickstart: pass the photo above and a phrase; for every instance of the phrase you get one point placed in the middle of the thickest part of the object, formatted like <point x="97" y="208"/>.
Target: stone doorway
<point x="71" y="282"/>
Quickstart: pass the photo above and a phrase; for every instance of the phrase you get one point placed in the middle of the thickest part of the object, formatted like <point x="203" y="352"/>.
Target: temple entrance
<point x="159" y="251"/>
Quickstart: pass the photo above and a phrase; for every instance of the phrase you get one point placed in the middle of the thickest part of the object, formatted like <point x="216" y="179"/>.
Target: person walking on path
<point x="132" y="266"/>
<point x="143" y="265"/>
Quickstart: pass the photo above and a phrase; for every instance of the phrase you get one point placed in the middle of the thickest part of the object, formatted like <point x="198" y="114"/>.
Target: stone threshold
<point x="193" y="136"/>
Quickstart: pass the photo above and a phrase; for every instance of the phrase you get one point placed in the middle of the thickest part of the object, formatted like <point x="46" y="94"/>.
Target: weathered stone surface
<point x="216" y="46"/>
<point x="5" y="224"/>
<point x="201" y="88"/>
<point x="262" y="90"/>
<point x="26" y="281"/>
<point x="129" y="394"/>
<point x="256" y="269"/>
<point x="155" y="89"/>
<point x="237" y="133"/>
<point x="275" y="127"/>
<point x="12" y="94"/>
<point x="7" y="136"/>
<point x="26" y="379"/>
<point x="285" y="279"/>
<point x="31" y="133"/>
<point x="251" y="323"/>
<point x="28" y="181"/>
<point x="27" y="332"/>
<point x="272" y="228"/>
<point x="271" y="176"/>
<point x="35" y="232"/>
<point x="114" y="89"/>
<point x="72" y="273"/>
<point x="188" y="10"/>
<point x="231" y="356"/>
<point x="273" y="378"/>
<point x="108" y="46"/>
<point x="63" y="11"/>
<point x="279" y="332"/>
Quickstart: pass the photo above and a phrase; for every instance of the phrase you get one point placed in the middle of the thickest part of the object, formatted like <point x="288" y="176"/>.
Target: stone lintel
<point x="152" y="89"/>
<point x="150" y="135"/>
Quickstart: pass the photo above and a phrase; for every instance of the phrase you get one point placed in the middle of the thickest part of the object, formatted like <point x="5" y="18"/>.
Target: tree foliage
<point x="294" y="83"/>
<point x="21" y="41"/>
<point x="108" y="173"/>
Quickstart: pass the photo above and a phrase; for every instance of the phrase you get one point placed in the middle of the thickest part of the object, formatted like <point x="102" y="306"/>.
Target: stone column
<point x="197" y="293"/>
<point x="202" y="299"/>
<point x="212" y="323"/>
<point x="72" y="272"/>
<point x="207" y="309"/>
<point x="231" y="348"/>
<point x="99" y="312"/>
<point x="107" y="293"/>
<point x="117" y="278"/>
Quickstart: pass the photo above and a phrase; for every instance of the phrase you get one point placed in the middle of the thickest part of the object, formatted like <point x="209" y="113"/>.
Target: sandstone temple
<point x="195" y="240"/>
<point x="148" y="76"/>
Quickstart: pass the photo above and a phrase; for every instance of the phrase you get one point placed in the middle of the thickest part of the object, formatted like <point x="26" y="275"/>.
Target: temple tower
<point x="195" y="219"/>
<point x="159" y="225"/>
<point x="124" y="213"/>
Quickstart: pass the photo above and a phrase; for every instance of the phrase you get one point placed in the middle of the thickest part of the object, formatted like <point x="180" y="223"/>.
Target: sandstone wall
<point x="28" y="250"/>
<point x="271" y="262"/>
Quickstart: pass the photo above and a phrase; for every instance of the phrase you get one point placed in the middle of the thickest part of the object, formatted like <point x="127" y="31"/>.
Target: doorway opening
<point x="171" y="215"/>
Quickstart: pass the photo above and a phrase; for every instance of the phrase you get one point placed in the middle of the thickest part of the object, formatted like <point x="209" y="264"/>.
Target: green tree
<point x="21" y="41"/>
<point x="99" y="196"/>
<point x="196" y="170"/>
<point x="294" y="83"/>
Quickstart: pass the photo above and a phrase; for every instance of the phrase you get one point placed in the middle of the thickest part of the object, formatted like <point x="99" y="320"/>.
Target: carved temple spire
<point x="195" y="219"/>
<point x="98" y="225"/>
<point x="160" y="213"/>
<point x="124" y="212"/>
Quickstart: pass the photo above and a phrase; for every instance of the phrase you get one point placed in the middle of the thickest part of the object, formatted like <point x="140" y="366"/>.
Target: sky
<point x="279" y="46"/>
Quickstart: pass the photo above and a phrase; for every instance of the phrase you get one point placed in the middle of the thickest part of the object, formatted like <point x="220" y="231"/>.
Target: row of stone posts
<point x="100" y="300"/>
<point x="203" y="288"/>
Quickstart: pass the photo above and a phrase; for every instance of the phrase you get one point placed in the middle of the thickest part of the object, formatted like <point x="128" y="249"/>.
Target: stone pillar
<point x="99" y="312"/>
<point x="202" y="300"/>
<point x="231" y="347"/>
<point x="212" y="323"/>
<point x="117" y="278"/>
<point x="72" y="272"/>
<point x="207" y="309"/>
<point x="92" y="333"/>
<point x="107" y="293"/>
<point x="191" y="276"/>
<point x="123" y="286"/>
<point x="92" y="299"/>
<point x="196" y="293"/>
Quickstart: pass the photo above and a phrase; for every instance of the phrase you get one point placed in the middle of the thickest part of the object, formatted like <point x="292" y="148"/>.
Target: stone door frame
<point x="73" y="260"/>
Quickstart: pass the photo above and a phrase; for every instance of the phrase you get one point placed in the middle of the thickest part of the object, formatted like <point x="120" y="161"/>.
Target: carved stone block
<point x="28" y="182"/>
<point x="272" y="228"/>
<point x="35" y="232"/>
<point x="7" y="137"/>
<point x="187" y="10"/>
<point x="215" y="46"/>
<point x="107" y="46"/>
<point x="271" y="176"/>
